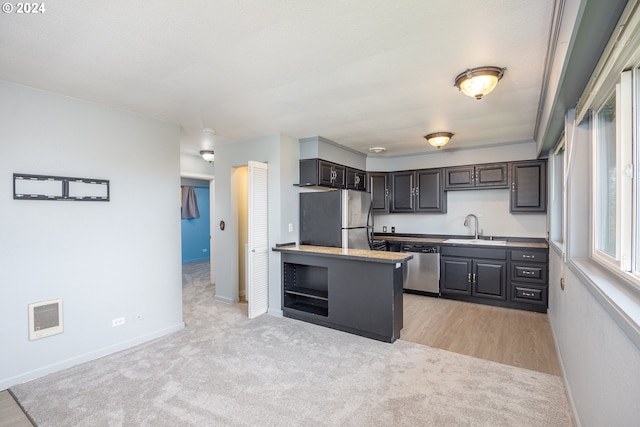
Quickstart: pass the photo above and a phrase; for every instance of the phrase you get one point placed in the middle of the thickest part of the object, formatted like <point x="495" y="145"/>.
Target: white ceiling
<point x="362" y="73"/>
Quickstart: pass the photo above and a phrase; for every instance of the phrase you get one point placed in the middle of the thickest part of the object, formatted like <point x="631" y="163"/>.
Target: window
<point x="615" y="200"/>
<point x="556" y="217"/>
<point x="605" y="179"/>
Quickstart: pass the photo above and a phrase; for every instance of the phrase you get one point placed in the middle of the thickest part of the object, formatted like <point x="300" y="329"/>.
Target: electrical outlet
<point x="138" y="317"/>
<point x="117" y="322"/>
<point x="204" y="249"/>
<point x="290" y="227"/>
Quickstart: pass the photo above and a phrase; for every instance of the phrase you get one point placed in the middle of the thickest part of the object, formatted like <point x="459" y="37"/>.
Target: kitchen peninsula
<point x="352" y="290"/>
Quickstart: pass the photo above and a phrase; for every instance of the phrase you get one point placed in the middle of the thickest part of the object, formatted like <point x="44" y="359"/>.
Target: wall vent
<point x="45" y="319"/>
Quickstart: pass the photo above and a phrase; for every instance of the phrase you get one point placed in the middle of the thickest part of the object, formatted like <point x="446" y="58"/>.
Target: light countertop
<point x="356" y="254"/>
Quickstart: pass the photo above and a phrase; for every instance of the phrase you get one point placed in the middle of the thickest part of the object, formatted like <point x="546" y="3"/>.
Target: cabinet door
<point x="361" y="181"/>
<point x="528" y="186"/>
<point x="492" y="176"/>
<point x="430" y="191"/>
<point x="356" y="179"/>
<point x="455" y="275"/>
<point x="325" y="173"/>
<point x="402" y="191"/>
<point x="339" y="176"/>
<point x="490" y="279"/>
<point x="379" y="187"/>
<point x="459" y="177"/>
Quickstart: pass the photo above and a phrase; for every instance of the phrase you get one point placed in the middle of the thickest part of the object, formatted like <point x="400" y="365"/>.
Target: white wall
<point x="104" y="259"/>
<point x="325" y="149"/>
<point x="601" y="365"/>
<point x="281" y="154"/>
<point x="450" y="157"/>
<point x="491" y="206"/>
<point x="196" y="166"/>
<point x="600" y="362"/>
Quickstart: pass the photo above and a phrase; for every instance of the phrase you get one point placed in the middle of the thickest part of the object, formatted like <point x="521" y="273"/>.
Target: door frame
<point x="211" y="180"/>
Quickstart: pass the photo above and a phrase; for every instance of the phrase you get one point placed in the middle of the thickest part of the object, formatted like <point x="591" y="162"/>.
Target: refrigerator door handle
<point x="370" y="234"/>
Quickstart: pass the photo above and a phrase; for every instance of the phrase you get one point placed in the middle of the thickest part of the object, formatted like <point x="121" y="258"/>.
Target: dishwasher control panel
<point x="425" y="249"/>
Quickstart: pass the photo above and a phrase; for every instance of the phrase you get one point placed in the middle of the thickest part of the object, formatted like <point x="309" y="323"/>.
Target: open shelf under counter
<point x="352" y="290"/>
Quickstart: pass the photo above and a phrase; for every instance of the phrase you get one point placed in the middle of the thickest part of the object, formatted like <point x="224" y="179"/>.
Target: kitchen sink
<point x="476" y="242"/>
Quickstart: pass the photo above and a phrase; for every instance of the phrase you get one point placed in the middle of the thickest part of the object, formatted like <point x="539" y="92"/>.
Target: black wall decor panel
<point x="49" y="187"/>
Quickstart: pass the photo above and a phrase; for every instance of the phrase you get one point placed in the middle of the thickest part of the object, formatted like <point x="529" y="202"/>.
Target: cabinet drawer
<point x="466" y="251"/>
<point x="529" y="294"/>
<point x="529" y="256"/>
<point x="529" y="273"/>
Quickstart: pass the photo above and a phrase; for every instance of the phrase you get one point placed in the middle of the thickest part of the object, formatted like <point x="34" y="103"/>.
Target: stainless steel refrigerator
<point x="338" y="218"/>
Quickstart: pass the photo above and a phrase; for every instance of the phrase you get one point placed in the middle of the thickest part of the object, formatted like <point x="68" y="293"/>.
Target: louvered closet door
<point x="258" y="280"/>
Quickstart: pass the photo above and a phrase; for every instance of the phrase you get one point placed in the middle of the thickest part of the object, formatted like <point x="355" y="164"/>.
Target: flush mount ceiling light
<point x="377" y="150"/>
<point x="208" y="155"/>
<point x="438" y="139"/>
<point x="477" y="82"/>
<point x="207" y="139"/>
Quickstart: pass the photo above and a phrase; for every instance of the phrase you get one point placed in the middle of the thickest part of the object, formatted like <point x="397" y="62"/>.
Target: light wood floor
<point x="10" y="413"/>
<point x="513" y="337"/>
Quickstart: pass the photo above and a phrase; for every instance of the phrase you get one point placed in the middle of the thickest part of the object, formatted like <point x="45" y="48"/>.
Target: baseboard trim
<point x="224" y="299"/>
<point x="567" y="386"/>
<point x="275" y="312"/>
<point x="87" y="357"/>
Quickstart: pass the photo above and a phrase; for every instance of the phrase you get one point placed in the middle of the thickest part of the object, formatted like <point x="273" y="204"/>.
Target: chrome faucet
<point x="466" y="223"/>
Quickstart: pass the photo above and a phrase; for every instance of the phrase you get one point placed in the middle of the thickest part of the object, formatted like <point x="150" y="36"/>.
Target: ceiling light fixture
<point x="208" y="155"/>
<point x="438" y="139"/>
<point x="477" y="82"/>
<point x="207" y="139"/>
<point x="377" y="150"/>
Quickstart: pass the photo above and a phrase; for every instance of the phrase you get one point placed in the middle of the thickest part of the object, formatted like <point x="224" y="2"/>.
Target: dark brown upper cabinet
<point x="356" y="179"/>
<point x="495" y="175"/>
<point x="529" y="186"/>
<point x="378" y="185"/>
<point x="418" y="191"/>
<point x="317" y="172"/>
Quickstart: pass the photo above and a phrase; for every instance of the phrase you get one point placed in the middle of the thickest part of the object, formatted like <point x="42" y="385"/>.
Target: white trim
<point x="197" y="176"/>
<point x="597" y="205"/>
<point x="620" y="52"/>
<point x="624" y="196"/>
<point x="620" y="301"/>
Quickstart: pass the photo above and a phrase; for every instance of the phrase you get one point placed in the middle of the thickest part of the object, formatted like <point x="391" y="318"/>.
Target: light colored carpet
<point x="224" y="369"/>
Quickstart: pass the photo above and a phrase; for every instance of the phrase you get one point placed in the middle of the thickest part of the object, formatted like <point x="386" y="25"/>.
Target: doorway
<point x="196" y="231"/>
<point x="208" y="202"/>
<point x="241" y="174"/>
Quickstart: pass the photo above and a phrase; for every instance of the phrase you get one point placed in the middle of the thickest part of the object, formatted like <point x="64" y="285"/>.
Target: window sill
<point x="614" y="295"/>
<point x="557" y="245"/>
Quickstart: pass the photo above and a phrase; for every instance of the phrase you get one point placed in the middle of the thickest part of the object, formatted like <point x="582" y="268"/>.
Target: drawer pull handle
<point x="527" y="256"/>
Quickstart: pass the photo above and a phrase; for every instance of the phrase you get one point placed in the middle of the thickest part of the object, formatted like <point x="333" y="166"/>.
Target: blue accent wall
<point x="195" y="232"/>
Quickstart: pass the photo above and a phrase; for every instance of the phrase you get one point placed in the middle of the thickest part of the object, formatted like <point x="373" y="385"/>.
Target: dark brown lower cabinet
<point x="474" y="277"/>
<point x="515" y="278"/>
<point x="361" y="296"/>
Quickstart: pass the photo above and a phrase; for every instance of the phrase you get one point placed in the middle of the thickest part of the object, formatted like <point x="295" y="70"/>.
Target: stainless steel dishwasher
<point x="422" y="273"/>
